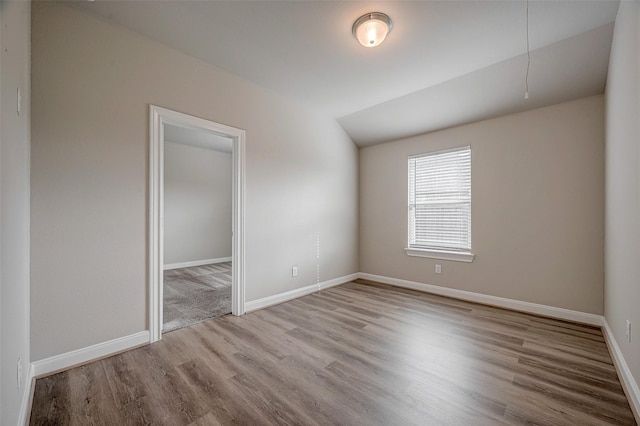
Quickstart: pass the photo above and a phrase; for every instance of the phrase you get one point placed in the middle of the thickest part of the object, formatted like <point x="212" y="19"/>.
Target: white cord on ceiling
<point x="526" y="79"/>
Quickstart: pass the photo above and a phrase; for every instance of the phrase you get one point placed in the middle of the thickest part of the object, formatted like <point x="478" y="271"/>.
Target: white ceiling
<point x="445" y="62"/>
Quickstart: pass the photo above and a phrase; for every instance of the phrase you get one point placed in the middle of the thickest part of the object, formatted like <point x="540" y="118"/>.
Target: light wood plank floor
<point x="356" y="354"/>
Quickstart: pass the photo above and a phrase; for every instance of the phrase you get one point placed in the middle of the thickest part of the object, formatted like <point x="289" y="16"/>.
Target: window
<point x="440" y="205"/>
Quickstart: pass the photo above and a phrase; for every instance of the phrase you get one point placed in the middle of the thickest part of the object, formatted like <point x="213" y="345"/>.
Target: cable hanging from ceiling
<point x="526" y="78"/>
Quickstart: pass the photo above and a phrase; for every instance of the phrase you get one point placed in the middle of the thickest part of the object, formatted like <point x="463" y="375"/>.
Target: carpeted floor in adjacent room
<point x="196" y="294"/>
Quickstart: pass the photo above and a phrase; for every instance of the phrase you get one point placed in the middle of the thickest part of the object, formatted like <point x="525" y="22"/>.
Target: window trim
<point x="463" y="255"/>
<point x="457" y="256"/>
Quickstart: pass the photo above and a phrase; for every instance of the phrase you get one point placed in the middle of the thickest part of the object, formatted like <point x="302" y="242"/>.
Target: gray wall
<point x="92" y="86"/>
<point x="537" y="207"/>
<point x="14" y="207"/>
<point x="622" y="249"/>
<point x="197" y="203"/>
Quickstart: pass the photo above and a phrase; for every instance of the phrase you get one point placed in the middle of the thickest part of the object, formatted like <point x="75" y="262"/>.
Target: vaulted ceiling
<point x="445" y="63"/>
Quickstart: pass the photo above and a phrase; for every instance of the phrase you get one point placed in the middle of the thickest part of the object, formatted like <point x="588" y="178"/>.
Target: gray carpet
<point x="196" y="294"/>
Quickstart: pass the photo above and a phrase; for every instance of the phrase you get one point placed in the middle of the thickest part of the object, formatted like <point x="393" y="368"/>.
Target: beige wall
<point x="92" y="86"/>
<point x="537" y="207"/>
<point x="14" y="208"/>
<point x="197" y="203"/>
<point x="622" y="249"/>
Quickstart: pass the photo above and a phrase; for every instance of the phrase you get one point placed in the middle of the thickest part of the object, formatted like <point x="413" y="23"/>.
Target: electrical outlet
<point x="19" y="372"/>
<point x="628" y="331"/>
<point x="19" y="101"/>
<point x="294" y="271"/>
<point x="438" y="268"/>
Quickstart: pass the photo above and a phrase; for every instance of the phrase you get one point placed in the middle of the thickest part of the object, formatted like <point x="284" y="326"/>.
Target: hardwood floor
<point x="356" y="354"/>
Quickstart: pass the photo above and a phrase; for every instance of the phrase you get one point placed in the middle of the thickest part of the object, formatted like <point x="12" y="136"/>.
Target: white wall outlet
<point x="438" y="268"/>
<point x="19" y="372"/>
<point x="294" y="271"/>
<point x="628" y="331"/>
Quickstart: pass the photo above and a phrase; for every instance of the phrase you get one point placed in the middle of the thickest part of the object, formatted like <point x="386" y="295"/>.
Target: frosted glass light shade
<point x="371" y="29"/>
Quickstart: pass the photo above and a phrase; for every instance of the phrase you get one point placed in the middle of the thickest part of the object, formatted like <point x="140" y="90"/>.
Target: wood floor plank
<point x="206" y="420"/>
<point x="226" y="404"/>
<point x="362" y="353"/>
<point x="51" y="405"/>
<point x="91" y="397"/>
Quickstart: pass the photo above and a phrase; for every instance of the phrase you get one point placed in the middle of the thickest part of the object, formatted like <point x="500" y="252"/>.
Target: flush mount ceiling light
<point x="371" y="29"/>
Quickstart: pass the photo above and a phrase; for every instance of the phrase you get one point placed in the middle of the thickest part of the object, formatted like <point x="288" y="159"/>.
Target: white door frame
<point x="157" y="118"/>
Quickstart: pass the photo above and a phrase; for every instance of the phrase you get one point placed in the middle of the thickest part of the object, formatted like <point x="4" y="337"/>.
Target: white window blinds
<point x="440" y="200"/>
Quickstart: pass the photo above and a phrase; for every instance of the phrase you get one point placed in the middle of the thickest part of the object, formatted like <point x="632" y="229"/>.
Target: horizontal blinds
<point x="440" y="200"/>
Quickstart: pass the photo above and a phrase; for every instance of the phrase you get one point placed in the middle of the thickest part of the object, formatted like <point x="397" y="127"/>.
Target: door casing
<point x="158" y="117"/>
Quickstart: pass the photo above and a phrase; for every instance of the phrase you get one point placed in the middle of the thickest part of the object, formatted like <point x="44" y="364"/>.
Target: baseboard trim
<point x="27" y="398"/>
<point x="254" y="305"/>
<point x="338" y="281"/>
<point x="629" y="384"/>
<point x="516" y="305"/>
<point x="71" y="359"/>
<point x="196" y="263"/>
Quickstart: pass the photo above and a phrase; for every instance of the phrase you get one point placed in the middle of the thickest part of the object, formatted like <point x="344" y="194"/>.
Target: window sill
<point x="441" y="254"/>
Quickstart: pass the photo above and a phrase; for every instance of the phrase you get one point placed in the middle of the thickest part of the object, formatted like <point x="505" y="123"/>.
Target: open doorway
<point x="197" y="226"/>
<point x="177" y="135"/>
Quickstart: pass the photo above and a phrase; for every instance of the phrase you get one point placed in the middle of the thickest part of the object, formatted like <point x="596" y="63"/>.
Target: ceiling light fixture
<point x="371" y="29"/>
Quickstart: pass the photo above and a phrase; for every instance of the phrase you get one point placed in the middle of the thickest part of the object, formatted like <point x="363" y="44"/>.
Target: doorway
<point x="160" y="118"/>
<point x="197" y="226"/>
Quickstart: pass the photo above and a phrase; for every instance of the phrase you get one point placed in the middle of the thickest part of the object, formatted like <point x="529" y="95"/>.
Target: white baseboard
<point x="337" y="281"/>
<point x="516" y="305"/>
<point x="196" y="263"/>
<point x="254" y="305"/>
<point x="67" y="360"/>
<point x="626" y="378"/>
<point x="27" y="398"/>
